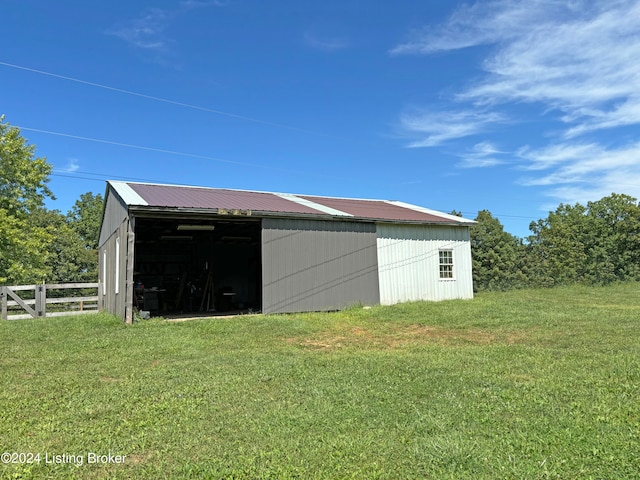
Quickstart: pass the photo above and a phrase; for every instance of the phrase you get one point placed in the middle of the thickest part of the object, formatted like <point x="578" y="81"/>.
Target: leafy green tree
<point x="68" y="258"/>
<point x="23" y="188"/>
<point x="613" y="239"/>
<point x="556" y="249"/>
<point x="85" y="217"/>
<point x="594" y="244"/>
<point x="23" y="250"/>
<point x="23" y="177"/>
<point x="498" y="256"/>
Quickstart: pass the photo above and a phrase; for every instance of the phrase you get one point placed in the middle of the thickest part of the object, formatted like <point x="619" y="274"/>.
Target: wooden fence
<point x="41" y="301"/>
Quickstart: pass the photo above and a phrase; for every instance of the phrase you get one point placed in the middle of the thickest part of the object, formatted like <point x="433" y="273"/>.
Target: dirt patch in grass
<point x="322" y="343"/>
<point x="401" y="336"/>
<point x="139" y="458"/>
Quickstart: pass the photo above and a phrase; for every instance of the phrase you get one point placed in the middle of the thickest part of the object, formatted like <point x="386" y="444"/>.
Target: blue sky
<point x="503" y="105"/>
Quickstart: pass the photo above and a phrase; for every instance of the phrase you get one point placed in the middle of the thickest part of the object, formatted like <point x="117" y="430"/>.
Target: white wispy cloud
<point x="557" y="155"/>
<point x="482" y="155"/>
<point x="578" y="163"/>
<point x="328" y="43"/>
<point x="575" y="59"/>
<point x="480" y="23"/>
<point x="582" y="65"/>
<point x="435" y="128"/>
<point x="73" y="165"/>
<point x="146" y="32"/>
<point x="582" y="172"/>
<point x="190" y="4"/>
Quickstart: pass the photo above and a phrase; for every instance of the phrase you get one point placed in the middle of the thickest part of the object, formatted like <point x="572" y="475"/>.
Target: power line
<point x="161" y="99"/>
<point x="158" y="99"/>
<point x="98" y="177"/>
<point x="129" y="145"/>
<point x="499" y="215"/>
<point x="153" y="149"/>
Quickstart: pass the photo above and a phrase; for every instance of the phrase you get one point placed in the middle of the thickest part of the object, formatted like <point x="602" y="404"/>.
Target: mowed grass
<point x="523" y="384"/>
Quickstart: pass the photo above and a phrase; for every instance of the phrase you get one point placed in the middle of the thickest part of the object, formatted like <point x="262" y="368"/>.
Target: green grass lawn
<point x="524" y="384"/>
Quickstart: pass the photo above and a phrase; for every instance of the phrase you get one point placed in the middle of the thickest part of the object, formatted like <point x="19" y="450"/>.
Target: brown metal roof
<point x="200" y="197"/>
<point x="173" y="196"/>
<point x="375" y="209"/>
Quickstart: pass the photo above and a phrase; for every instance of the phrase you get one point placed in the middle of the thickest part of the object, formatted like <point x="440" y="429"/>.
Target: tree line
<point x="38" y="244"/>
<point x="595" y="244"/>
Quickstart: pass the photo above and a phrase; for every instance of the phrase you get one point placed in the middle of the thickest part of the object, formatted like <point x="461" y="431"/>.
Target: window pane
<point x="446" y="263"/>
<point x="446" y="257"/>
<point x="446" y="271"/>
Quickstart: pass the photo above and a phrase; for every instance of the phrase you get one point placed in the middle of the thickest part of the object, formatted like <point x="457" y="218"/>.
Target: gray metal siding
<point x="312" y="265"/>
<point x="115" y="212"/>
<point x="114" y="272"/>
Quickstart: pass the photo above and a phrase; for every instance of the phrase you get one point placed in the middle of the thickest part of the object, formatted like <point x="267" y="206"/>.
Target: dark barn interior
<point x="185" y="266"/>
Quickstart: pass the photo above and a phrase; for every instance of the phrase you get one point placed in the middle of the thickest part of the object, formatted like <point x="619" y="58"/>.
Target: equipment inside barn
<point x="197" y="266"/>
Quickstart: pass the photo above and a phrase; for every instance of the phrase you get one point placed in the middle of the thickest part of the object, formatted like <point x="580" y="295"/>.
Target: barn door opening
<point x="197" y="267"/>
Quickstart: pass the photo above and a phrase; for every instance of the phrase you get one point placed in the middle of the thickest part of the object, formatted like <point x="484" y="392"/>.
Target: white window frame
<point x="446" y="270"/>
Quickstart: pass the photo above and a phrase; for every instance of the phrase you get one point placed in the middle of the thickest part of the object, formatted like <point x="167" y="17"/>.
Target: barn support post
<point x="129" y="286"/>
<point x="3" y="300"/>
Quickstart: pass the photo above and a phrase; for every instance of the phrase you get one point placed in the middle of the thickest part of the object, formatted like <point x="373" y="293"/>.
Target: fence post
<point x="41" y="300"/>
<point x="3" y="300"/>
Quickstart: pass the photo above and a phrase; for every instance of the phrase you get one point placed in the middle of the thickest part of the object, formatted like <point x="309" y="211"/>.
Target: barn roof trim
<point x="127" y="194"/>
<point x="154" y="196"/>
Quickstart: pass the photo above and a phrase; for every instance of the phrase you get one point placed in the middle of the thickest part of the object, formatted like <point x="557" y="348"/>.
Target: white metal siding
<point x="408" y="263"/>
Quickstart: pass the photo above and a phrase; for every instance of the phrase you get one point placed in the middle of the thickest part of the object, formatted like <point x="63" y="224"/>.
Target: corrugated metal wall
<point x="112" y="271"/>
<point x="408" y="263"/>
<point x="114" y="214"/>
<point x="310" y="265"/>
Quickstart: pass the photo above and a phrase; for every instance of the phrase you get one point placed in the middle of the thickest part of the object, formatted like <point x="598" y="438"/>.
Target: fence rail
<point x="41" y="301"/>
